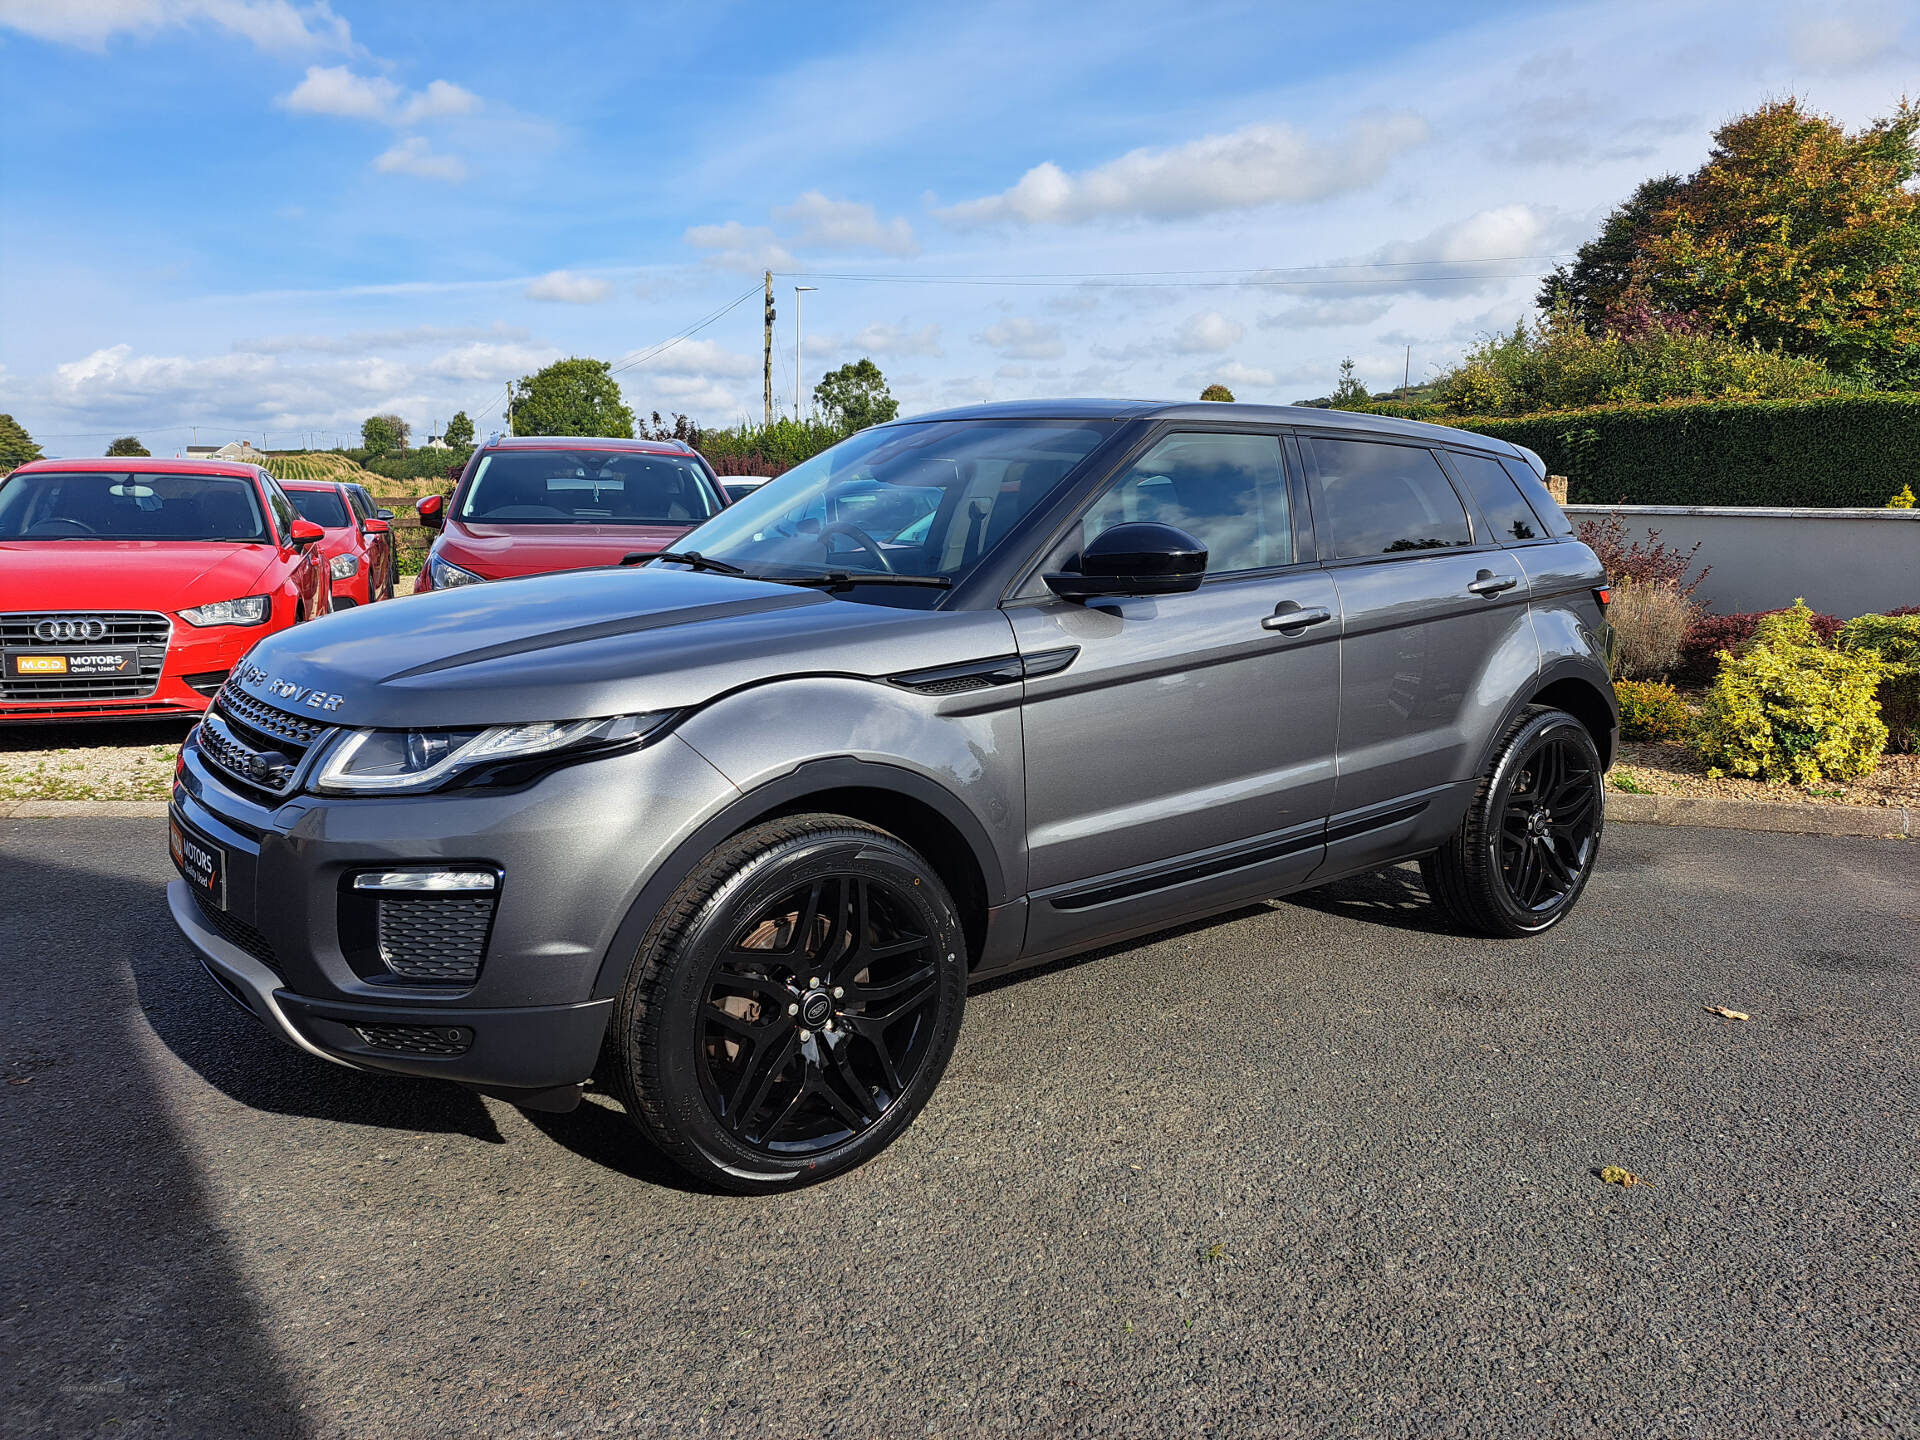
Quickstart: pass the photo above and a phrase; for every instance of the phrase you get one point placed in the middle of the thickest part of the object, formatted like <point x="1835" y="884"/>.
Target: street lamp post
<point x="798" y="383"/>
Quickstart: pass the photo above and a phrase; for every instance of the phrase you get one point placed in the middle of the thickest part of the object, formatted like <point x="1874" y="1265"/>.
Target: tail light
<point x="1604" y="594"/>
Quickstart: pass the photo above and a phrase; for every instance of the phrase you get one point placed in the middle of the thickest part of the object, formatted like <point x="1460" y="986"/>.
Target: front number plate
<point x="201" y="863"/>
<point x="27" y="664"/>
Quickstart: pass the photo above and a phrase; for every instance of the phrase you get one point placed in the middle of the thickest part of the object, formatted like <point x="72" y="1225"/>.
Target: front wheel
<point x="1526" y="847"/>
<point x="793" y="1005"/>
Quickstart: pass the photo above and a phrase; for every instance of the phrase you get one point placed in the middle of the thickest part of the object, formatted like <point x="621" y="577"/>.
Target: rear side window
<point x="1380" y="499"/>
<point x="1544" y="505"/>
<point x="1499" y="498"/>
<point x="1227" y="491"/>
<point x="282" y="507"/>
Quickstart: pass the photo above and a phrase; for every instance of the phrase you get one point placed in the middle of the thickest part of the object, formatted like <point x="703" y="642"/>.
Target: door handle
<point x="1289" y="618"/>
<point x="1488" y="583"/>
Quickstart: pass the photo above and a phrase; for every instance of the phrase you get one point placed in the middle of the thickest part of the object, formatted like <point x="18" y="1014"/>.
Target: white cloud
<point x="740" y="247"/>
<point x="1313" y="314"/>
<point x="272" y="25"/>
<point x="880" y="339"/>
<point x="1208" y="333"/>
<point x="569" y="288"/>
<point x="359" y="341"/>
<point x="1257" y="165"/>
<point x="338" y="90"/>
<point x="702" y="357"/>
<point x="1484" y="252"/>
<point x="489" y="360"/>
<point x="415" y="156"/>
<point x="1018" y="338"/>
<point x="1833" y="42"/>
<point x="818" y="222"/>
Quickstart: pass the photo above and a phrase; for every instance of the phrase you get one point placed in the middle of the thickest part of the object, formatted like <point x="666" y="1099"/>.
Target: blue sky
<point x="259" y="217"/>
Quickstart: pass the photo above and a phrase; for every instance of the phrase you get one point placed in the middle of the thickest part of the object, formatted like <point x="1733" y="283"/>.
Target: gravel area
<point x="108" y="761"/>
<point x="1318" y="1168"/>
<point x="1672" y="769"/>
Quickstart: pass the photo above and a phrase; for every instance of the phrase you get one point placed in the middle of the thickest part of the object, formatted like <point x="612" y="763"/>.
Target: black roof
<point x="1302" y="415"/>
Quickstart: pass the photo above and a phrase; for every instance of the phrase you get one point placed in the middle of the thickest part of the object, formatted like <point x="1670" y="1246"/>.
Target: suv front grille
<point x="241" y="732"/>
<point x="141" y="631"/>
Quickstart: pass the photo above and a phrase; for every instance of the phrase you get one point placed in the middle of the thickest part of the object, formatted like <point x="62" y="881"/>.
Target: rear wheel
<point x="793" y="1005"/>
<point x="1526" y="847"/>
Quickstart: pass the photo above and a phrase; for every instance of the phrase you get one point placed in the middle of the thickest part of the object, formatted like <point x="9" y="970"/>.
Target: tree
<point x="459" y="431"/>
<point x="575" y="396"/>
<point x="383" y="434"/>
<point x="856" y="396"/>
<point x="680" y="428"/>
<point x="16" y="445"/>
<point x="1594" y="287"/>
<point x="1794" y="235"/>
<point x="1349" y="392"/>
<point x="1217" y="392"/>
<point x="128" y="445"/>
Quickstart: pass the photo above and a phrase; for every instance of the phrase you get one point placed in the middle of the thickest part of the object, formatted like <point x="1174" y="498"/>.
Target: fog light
<point x="426" y="880"/>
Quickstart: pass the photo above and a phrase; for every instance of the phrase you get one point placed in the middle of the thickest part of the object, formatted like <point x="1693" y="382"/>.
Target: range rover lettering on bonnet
<point x="297" y="694"/>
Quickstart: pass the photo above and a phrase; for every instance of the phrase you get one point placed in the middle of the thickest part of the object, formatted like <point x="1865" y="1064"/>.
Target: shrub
<point x="1649" y="619"/>
<point x="1649" y="560"/>
<point x="1790" y="708"/>
<point x="1652" y="711"/>
<point x="1901" y="499"/>
<point x="767" y="449"/>
<point x="422" y="464"/>
<point x="1844" y="450"/>
<point x="1708" y="635"/>
<point x="1896" y="640"/>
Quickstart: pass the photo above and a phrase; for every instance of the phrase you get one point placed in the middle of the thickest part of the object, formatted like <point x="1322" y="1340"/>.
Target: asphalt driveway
<point x="1320" y="1168"/>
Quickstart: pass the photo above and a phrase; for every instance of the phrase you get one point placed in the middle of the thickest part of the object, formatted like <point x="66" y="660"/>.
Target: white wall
<point x="1844" y="562"/>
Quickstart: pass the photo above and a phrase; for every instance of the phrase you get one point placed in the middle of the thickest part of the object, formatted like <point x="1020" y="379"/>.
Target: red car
<point x="359" y="545"/>
<point x="528" y="504"/>
<point x="131" y="587"/>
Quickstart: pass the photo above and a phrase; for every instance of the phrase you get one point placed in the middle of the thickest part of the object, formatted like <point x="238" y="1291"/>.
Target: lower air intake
<point x="434" y="939"/>
<point x="418" y="1039"/>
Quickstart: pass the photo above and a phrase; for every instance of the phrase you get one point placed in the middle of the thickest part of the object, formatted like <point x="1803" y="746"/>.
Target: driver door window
<point x="1228" y="491"/>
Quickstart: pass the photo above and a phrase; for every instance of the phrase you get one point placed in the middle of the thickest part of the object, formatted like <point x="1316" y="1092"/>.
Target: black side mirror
<point x="1138" y="558"/>
<point x="383" y="514"/>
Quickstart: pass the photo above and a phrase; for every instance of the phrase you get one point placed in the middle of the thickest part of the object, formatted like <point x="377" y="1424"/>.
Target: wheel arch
<point x="1578" y="695"/>
<point x="916" y="809"/>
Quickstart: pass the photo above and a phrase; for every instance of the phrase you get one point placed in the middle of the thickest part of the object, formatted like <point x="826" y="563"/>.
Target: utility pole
<point x="1406" y="379"/>
<point x="798" y="383"/>
<point x="509" y="407"/>
<point x="767" y="358"/>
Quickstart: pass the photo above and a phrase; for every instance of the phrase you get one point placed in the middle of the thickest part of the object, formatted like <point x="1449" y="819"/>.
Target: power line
<point x="641" y="357"/>
<point x="1128" y="276"/>
<point x="1065" y="283"/>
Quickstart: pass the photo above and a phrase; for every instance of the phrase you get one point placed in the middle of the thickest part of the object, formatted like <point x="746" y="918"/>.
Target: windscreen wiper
<point x="692" y="558"/>
<point x="846" y="579"/>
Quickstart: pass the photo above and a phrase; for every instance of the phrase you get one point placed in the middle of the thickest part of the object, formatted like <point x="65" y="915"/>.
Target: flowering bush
<point x="1896" y="640"/>
<point x="1791" y="708"/>
<point x="1652" y="711"/>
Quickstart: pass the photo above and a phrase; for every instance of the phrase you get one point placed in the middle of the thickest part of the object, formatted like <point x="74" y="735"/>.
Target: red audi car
<point x="359" y="546"/>
<point x="130" y="587"/>
<point x="527" y="504"/>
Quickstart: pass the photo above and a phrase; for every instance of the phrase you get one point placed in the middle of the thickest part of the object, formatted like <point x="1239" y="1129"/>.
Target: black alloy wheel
<point x="793" y="1005"/>
<point x="1526" y="847"/>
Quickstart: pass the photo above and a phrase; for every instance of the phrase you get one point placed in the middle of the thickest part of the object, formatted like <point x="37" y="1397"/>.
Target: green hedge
<point x="419" y="464"/>
<point x="1853" y="450"/>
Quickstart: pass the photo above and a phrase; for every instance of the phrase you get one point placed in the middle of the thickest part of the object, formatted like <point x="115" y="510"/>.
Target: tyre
<point x="792" y="1006"/>
<point x="1526" y="847"/>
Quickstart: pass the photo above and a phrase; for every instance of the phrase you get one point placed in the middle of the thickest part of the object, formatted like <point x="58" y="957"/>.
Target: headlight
<point x="344" y="567"/>
<point x="386" y="762"/>
<point x="250" y="611"/>
<point x="448" y="577"/>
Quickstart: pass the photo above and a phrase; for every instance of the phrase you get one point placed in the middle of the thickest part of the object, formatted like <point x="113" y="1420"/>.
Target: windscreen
<point x="583" y="487"/>
<point x="323" y="507"/>
<point x="933" y="498"/>
<point x="105" y="505"/>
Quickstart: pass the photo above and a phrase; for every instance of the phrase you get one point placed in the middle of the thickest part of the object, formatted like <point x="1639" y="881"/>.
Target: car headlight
<point x="448" y="577"/>
<point x="344" y="567"/>
<point x="388" y="762"/>
<point x="251" y="611"/>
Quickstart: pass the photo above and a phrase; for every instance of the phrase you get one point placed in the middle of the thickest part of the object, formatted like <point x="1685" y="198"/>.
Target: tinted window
<point x="1499" y="498"/>
<point x="322" y="507"/>
<point x="1535" y="489"/>
<point x="357" y="498"/>
<point x="1385" y="499"/>
<point x="585" y="487"/>
<point x="283" y="510"/>
<point x="1227" y="491"/>
<point x="123" y="506"/>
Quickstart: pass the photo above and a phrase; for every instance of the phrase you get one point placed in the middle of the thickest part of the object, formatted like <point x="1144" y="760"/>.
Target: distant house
<point x="233" y="450"/>
<point x="434" y="442"/>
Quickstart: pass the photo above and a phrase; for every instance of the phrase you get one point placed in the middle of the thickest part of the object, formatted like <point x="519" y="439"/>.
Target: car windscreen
<point x="928" y="498"/>
<point x="109" y="505"/>
<point x="323" y="507"/>
<point x="584" y="487"/>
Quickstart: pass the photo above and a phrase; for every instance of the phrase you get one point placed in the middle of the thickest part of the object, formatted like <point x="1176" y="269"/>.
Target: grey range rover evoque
<point x="729" y="830"/>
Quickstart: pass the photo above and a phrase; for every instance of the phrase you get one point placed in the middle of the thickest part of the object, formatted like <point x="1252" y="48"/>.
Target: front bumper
<point x="197" y="661"/>
<point x="572" y="850"/>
